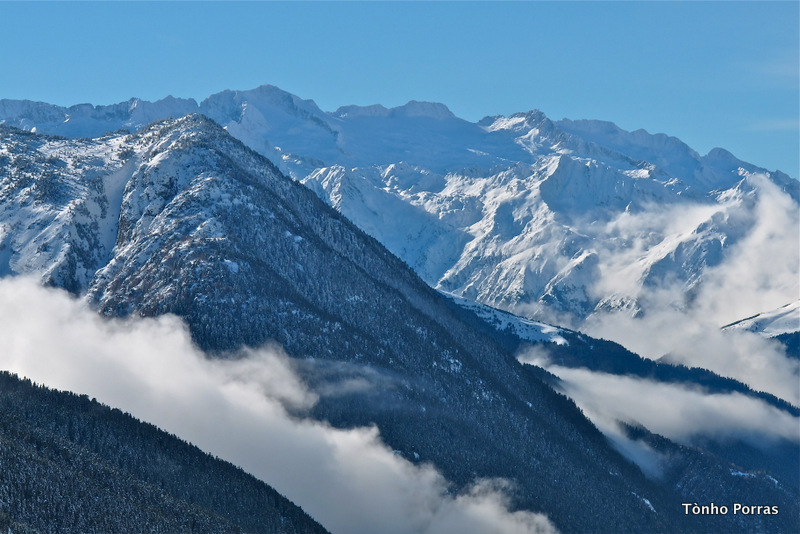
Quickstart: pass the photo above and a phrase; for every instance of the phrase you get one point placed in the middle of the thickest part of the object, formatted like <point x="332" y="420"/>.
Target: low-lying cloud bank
<point x="237" y="409"/>
<point x="678" y="412"/>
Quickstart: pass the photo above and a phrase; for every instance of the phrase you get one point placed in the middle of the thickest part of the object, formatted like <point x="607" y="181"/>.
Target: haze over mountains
<point x="578" y="223"/>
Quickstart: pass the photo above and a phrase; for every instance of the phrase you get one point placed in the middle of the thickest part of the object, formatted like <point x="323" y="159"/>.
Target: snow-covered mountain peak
<point x="87" y="120"/>
<point x="67" y="203"/>
<point x="718" y="154"/>
<point x="142" y="112"/>
<point x="716" y="171"/>
<point x="518" y="122"/>
<point x="27" y="114"/>
<point x="509" y="211"/>
<point x="266" y="98"/>
<point x="177" y="133"/>
<point x="375" y="110"/>
<point x="432" y="110"/>
<point x="783" y="320"/>
<point x="666" y="152"/>
<point x="413" y="109"/>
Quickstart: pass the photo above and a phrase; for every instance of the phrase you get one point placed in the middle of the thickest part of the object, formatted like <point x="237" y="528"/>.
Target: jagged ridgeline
<point x="70" y="464"/>
<point x="520" y="212"/>
<point x="182" y="218"/>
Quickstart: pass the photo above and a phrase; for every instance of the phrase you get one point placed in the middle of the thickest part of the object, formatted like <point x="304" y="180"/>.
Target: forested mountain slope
<point x="70" y="464"/>
<point x="182" y="218"/>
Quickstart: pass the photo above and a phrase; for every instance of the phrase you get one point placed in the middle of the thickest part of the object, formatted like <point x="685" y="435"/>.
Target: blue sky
<point x="711" y="73"/>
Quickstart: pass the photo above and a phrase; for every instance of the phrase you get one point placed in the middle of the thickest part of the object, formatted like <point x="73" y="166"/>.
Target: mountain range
<point x="522" y="213"/>
<point x="239" y="222"/>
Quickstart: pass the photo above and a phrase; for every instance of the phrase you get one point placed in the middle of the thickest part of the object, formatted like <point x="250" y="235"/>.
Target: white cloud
<point x="760" y="272"/>
<point x="628" y="243"/>
<point x="236" y="409"/>
<point x="681" y="413"/>
<point x="678" y="412"/>
<point x="695" y="341"/>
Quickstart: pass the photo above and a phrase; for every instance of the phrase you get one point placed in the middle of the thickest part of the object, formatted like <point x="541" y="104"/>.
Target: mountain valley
<point x="238" y="221"/>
